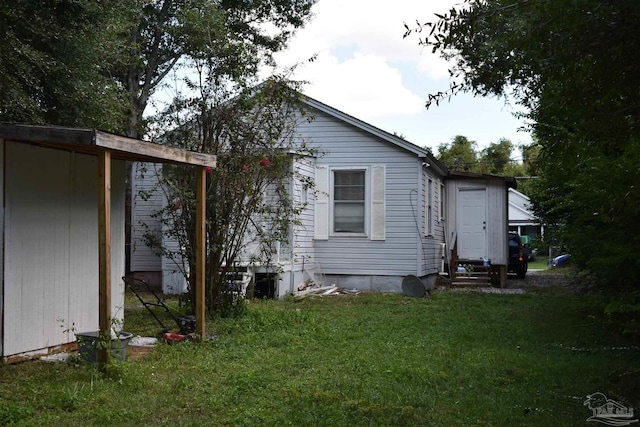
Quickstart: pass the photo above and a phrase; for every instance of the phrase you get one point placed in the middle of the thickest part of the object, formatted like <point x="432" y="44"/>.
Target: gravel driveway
<point x="534" y="279"/>
<point x="541" y="279"/>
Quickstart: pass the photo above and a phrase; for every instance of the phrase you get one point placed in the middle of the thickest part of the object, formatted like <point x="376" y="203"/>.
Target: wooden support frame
<point x="104" y="257"/>
<point x="201" y="210"/>
<point x="107" y="147"/>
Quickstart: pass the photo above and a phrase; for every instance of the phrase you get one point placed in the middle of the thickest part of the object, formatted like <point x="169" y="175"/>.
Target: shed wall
<point x="497" y="212"/>
<point x="51" y="246"/>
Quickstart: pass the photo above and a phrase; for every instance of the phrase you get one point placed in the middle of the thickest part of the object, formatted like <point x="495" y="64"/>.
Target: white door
<point x="472" y="214"/>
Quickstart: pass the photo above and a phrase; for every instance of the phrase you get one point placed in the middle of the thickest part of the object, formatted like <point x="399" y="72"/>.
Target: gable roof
<point x="520" y="204"/>
<point x="386" y="136"/>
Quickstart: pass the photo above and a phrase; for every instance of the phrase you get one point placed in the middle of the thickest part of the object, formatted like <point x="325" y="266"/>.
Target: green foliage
<point x="496" y="157"/>
<point x="163" y="35"/>
<point x="13" y="413"/>
<point x="53" y="64"/>
<point x="573" y="66"/>
<point x="459" y="155"/>
<point x="462" y="155"/>
<point x="97" y="64"/>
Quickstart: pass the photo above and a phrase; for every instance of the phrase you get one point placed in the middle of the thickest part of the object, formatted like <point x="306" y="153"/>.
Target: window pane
<point x="348" y="196"/>
<point x="348" y="217"/>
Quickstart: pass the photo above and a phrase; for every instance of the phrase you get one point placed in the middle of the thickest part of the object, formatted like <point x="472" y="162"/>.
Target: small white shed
<point x="477" y="219"/>
<point x="62" y="211"/>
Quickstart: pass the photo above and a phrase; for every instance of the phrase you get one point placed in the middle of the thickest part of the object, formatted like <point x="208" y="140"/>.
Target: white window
<point x="441" y="202"/>
<point x="349" y="201"/>
<point x="429" y="209"/>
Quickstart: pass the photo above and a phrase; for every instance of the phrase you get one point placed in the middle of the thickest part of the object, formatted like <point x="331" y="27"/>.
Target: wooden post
<point x="104" y="257"/>
<point x="200" y="250"/>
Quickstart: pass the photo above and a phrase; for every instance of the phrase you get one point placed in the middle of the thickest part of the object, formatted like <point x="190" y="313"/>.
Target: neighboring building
<point x="477" y="218"/>
<point x="380" y="211"/>
<point x="521" y="218"/>
<point x="49" y="244"/>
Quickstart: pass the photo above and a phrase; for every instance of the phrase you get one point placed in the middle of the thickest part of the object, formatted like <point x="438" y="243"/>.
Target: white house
<point x="521" y="218"/>
<point x="380" y="212"/>
<point x="62" y="245"/>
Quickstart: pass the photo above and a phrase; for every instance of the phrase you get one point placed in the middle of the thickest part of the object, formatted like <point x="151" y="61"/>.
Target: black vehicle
<point x="518" y="256"/>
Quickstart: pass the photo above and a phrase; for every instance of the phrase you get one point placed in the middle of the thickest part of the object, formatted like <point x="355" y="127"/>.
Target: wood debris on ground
<point x="308" y="287"/>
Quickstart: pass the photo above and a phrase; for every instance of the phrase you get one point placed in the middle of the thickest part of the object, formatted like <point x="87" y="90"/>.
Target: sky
<point x="366" y="69"/>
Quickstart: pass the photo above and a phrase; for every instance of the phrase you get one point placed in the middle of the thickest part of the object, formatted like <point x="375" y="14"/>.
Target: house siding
<point x="51" y="247"/>
<point x="343" y="145"/>
<point x="142" y="215"/>
<point x="303" y="257"/>
<point x="431" y="243"/>
<point x="395" y="243"/>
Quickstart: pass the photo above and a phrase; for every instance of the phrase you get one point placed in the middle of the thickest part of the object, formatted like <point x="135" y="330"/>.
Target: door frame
<point x="459" y="220"/>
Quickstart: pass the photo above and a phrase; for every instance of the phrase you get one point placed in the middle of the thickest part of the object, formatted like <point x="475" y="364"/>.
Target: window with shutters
<point x="349" y="201"/>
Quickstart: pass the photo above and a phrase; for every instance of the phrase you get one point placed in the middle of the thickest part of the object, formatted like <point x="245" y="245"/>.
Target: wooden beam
<point x="155" y="152"/>
<point x="90" y="141"/>
<point x="200" y="250"/>
<point x="104" y="257"/>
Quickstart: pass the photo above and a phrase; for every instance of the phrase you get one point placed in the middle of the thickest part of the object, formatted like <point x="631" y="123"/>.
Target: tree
<point x="249" y="203"/>
<point x="573" y="66"/>
<point x="53" y="61"/>
<point x="462" y="155"/>
<point x="97" y="64"/>
<point x="236" y="35"/>
<point x="496" y="158"/>
<point x="459" y="155"/>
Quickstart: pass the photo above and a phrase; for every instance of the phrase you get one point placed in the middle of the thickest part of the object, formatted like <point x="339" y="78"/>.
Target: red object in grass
<point x="265" y="162"/>
<point x="170" y="336"/>
<point x="245" y="168"/>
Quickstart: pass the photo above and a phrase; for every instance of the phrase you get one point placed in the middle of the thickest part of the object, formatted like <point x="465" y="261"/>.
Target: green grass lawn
<point x="540" y="263"/>
<point x="458" y="359"/>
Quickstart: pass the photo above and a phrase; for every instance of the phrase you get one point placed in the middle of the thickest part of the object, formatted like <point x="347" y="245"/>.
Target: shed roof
<point x="510" y="182"/>
<point x="90" y="141"/>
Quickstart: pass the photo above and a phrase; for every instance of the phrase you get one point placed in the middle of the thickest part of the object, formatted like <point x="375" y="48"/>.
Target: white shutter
<point x="378" y="228"/>
<point x="321" y="222"/>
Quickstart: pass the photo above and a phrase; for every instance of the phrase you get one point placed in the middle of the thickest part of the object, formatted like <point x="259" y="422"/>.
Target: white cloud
<point x="364" y="86"/>
<point x="365" y="68"/>
<point x="372" y="27"/>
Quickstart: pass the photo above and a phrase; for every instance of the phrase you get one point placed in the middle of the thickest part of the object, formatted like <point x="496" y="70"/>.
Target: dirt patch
<point x="135" y="353"/>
